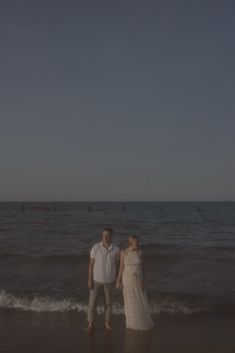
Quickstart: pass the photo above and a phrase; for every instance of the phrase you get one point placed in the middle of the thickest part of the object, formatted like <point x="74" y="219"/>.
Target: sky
<point x="117" y="100"/>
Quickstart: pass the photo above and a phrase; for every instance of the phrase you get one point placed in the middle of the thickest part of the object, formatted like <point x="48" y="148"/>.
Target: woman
<point x="131" y="280"/>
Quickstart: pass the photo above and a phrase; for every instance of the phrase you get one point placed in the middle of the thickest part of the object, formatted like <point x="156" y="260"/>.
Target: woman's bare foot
<point x="90" y="328"/>
<point x="107" y="326"/>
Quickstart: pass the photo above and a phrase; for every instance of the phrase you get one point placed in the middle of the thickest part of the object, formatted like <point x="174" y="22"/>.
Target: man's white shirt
<point x="105" y="266"/>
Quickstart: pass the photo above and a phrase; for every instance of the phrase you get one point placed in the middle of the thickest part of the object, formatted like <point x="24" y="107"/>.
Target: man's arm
<point x="91" y="273"/>
<point x="118" y="261"/>
<point x="121" y="269"/>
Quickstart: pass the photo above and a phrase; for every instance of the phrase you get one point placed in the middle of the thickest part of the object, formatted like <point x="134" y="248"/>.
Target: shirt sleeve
<point x="93" y="252"/>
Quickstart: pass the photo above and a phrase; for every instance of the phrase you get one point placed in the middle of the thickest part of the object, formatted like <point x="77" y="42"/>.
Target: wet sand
<point x="27" y="332"/>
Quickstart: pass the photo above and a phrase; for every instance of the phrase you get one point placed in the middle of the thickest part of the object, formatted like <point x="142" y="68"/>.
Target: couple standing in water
<point x="110" y="268"/>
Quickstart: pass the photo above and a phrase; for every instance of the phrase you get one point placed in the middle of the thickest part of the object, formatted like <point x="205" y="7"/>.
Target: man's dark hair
<point x="108" y="229"/>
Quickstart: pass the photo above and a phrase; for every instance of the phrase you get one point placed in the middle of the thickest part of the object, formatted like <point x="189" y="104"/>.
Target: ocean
<point x="189" y="251"/>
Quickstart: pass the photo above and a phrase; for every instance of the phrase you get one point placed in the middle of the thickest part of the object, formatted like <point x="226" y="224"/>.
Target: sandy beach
<point x="26" y="332"/>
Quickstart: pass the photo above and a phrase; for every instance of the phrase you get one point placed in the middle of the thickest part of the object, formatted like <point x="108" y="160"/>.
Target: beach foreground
<point x="26" y="332"/>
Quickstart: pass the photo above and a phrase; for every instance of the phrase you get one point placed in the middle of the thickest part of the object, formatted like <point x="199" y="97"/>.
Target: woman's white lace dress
<point x="135" y="299"/>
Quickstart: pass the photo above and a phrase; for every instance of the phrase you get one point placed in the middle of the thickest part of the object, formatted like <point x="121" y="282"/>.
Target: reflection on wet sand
<point x="134" y="342"/>
<point x="106" y="344"/>
<point x="138" y="342"/>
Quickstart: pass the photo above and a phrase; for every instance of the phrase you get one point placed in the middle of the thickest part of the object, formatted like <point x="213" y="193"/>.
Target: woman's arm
<point x="121" y="268"/>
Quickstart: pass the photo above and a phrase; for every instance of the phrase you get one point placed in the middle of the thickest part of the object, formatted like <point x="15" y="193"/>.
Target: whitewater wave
<point x="49" y="304"/>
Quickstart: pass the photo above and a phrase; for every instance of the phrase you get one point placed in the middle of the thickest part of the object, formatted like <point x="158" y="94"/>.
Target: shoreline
<point x="27" y="332"/>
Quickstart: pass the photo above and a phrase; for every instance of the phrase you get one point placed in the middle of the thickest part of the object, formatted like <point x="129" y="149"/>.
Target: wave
<point x="149" y="249"/>
<point x="39" y="304"/>
<point x="70" y="258"/>
<point x="219" y="249"/>
<point x="49" y="304"/>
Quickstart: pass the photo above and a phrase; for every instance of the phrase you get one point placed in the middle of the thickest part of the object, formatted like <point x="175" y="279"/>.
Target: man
<point x="104" y="258"/>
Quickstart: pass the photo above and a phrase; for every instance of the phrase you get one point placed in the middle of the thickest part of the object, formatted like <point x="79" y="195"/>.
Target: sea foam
<point x="49" y="304"/>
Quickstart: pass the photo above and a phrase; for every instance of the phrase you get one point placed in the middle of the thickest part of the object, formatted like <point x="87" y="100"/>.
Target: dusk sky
<point x="117" y="100"/>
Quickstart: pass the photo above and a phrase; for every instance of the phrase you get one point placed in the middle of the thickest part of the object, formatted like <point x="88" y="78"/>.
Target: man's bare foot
<point x="90" y="328"/>
<point x="107" y="326"/>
